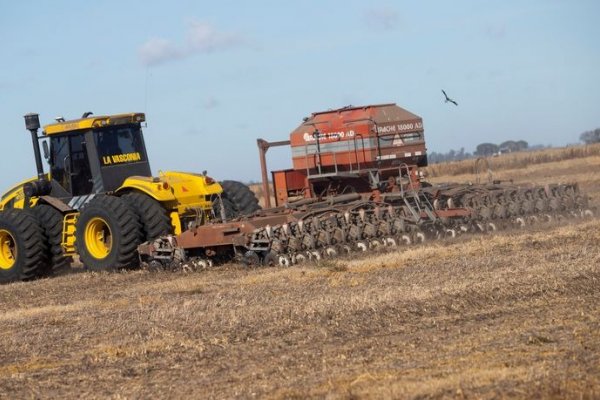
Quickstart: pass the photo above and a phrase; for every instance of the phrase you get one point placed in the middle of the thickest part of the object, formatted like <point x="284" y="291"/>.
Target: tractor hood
<point x="179" y="190"/>
<point x="15" y="197"/>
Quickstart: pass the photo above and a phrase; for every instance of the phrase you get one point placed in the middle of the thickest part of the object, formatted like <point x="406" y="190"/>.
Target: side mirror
<point x="46" y="150"/>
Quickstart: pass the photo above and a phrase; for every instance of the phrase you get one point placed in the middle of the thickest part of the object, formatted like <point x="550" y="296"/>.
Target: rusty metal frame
<point x="263" y="147"/>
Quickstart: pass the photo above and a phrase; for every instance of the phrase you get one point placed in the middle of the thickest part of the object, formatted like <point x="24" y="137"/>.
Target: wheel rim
<point x="8" y="250"/>
<point x="98" y="238"/>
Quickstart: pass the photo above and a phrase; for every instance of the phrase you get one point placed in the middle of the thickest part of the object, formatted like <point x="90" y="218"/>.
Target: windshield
<point x="118" y="145"/>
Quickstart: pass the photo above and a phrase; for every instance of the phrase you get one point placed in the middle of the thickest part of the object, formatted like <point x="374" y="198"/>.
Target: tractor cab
<point x="95" y="154"/>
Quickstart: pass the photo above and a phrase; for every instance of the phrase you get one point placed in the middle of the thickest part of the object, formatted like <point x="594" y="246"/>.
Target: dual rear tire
<point x="153" y="216"/>
<point x="238" y="200"/>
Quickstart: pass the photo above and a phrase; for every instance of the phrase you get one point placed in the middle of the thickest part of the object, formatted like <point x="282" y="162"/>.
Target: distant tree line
<point x="482" y="150"/>
<point x="590" y="137"/>
<point x="510" y="146"/>
<point x="452" y="155"/>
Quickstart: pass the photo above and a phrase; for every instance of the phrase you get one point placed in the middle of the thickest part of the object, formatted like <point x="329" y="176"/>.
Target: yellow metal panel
<point x="16" y="196"/>
<point x="176" y="190"/>
<point x="176" y="222"/>
<point x="151" y="186"/>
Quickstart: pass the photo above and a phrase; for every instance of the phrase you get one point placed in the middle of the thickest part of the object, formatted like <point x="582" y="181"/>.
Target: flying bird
<point x="448" y="99"/>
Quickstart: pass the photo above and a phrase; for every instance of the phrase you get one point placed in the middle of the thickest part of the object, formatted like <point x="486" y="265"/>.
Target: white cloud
<point x="157" y="51"/>
<point x="202" y="37"/>
<point x="382" y="19"/>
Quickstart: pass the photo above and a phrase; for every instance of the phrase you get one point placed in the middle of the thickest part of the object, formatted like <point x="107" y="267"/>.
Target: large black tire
<point x="228" y="206"/>
<point x="241" y="196"/>
<point x="153" y="216"/>
<point x="51" y="220"/>
<point x="108" y="233"/>
<point x="23" y="246"/>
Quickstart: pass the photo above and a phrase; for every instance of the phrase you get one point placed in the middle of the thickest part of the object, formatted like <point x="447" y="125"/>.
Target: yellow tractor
<point x="99" y="199"/>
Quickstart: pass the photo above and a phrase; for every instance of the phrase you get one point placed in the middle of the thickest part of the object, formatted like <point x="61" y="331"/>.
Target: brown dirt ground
<point x="514" y="314"/>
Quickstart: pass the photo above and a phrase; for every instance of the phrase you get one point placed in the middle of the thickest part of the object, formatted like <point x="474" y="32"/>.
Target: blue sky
<point x="213" y="76"/>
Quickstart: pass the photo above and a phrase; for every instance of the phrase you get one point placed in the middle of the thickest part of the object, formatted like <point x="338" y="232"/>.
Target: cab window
<point x="119" y="145"/>
<point x="70" y="165"/>
<point x="59" y="159"/>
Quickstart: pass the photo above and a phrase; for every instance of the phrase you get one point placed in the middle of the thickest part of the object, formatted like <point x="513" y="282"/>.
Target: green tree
<point x="486" y="149"/>
<point x="590" y="137"/>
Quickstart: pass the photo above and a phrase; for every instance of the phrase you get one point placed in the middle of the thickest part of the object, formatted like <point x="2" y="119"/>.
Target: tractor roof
<point x="96" y="121"/>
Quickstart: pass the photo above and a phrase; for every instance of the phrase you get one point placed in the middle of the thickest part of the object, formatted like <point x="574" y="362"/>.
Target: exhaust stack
<point x="32" y="123"/>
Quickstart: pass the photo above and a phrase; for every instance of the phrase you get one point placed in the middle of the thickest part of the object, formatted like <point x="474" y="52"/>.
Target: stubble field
<point x="511" y="314"/>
